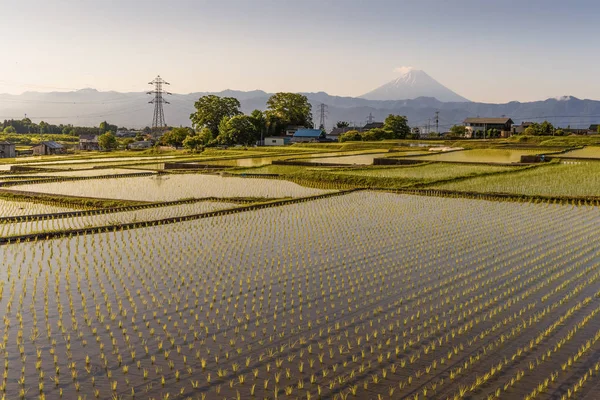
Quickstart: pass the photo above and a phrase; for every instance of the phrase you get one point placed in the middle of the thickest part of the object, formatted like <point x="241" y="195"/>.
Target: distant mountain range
<point x="89" y="107"/>
<point x="412" y="84"/>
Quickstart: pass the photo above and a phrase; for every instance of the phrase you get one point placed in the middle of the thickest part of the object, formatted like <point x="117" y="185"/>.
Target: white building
<point x="276" y="141"/>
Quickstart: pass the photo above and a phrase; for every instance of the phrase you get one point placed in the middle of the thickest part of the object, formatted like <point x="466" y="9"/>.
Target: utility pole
<point x="158" y="120"/>
<point x="323" y="113"/>
<point x="437" y="122"/>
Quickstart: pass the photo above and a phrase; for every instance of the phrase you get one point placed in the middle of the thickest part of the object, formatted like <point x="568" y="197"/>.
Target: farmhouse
<point x="478" y="127"/>
<point x="7" y="150"/>
<point x="373" y="125"/>
<point x="48" y="147"/>
<point x="337" y="132"/>
<point x="290" y="130"/>
<point x="276" y="141"/>
<point x="308" y="135"/>
<point x="141" y="145"/>
<point x="127" y="134"/>
<point x="519" y="129"/>
<point x="88" y="141"/>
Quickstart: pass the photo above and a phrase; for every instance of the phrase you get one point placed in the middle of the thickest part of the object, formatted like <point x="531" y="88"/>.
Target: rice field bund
<point x="302" y="281"/>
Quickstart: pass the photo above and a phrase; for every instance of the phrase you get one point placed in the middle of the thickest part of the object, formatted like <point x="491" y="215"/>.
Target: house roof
<point x="488" y="120"/>
<point x="373" y="125"/>
<point x="5" y="143"/>
<point x="52" y="144"/>
<point x="339" y="131"/>
<point x="141" y="143"/>
<point x="308" y="133"/>
<point x="88" y="136"/>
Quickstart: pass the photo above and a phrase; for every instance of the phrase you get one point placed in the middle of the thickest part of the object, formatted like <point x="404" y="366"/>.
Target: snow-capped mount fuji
<point x="411" y="84"/>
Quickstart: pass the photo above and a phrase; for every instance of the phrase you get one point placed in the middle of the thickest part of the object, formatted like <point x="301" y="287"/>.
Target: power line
<point x="121" y="111"/>
<point x="108" y="101"/>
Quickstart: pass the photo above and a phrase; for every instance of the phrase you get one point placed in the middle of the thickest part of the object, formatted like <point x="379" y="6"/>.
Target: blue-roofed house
<point x="308" y="135"/>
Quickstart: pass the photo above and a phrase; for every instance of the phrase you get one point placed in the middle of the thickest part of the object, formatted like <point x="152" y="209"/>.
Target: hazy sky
<point x="486" y="50"/>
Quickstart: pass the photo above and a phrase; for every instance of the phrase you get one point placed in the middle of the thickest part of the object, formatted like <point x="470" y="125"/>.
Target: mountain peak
<point x="411" y="84"/>
<point x="564" y="98"/>
<point x="405" y="70"/>
<point x="87" y="90"/>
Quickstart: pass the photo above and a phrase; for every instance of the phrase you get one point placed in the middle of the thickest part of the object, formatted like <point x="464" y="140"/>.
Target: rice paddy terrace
<point x="301" y="280"/>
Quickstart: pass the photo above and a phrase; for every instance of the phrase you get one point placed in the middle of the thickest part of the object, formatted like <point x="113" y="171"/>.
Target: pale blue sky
<point x="492" y="51"/>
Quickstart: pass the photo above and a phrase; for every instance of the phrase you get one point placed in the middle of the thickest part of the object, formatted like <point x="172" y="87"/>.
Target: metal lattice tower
<point x="158" y="121"/>
<point x="323" y="113"/>
<point x="370" y="118"/>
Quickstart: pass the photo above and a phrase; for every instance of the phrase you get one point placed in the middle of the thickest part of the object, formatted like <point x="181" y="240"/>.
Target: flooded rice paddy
<point x="173" y="187"/>
<point x="482" y="155"/>
<point x="376" y="294"/>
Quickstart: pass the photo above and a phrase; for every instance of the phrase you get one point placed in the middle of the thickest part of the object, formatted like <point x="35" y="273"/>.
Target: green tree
<point x="210" y="111"/>
<point x="598" y="129"/>
<point x="194" y="142"/>
<point x="222" y="128"/>
<point x="10" y="129"/>
<point x="342" y="124"/>
<point x="127" y="141"/>
<point x="535" y="129"/>
<point x="377" y="134"/>
<point x="285" y="109"/>
<point x="176" y="136"/>
<point x="105" y="127"/>
<point x="350" y="136"/>
<point x="458" y="131"/>
<point x="206" y="136"/>
<point x="546" y="128"/>
<point x="259" y="122"/>
<point x="43" y="127"/>
<point x="398" y="125"/>
<point x="368" y="136"/>
<point x="236" y="130"/>
<point x="107" y="141"/>
<point x="201" y="139"/>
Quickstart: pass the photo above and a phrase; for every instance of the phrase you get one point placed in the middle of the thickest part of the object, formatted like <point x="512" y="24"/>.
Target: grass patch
<point x="430" y="171"/>
<point x="563" y="141"/>
<point x="575" y="179"/>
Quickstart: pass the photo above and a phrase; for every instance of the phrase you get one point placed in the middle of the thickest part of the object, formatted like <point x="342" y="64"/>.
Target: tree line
<point x="220" y="121"/>
<point x="394" y="127"/>
<point x="534" y="129"/>
<point x="26" y="126"/>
